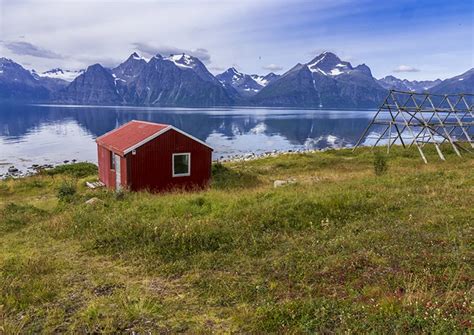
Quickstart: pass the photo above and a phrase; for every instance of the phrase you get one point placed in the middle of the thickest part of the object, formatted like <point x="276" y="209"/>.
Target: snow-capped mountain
<point x="58" y="73"/>
<point x="324" y="82"/>
<point x="95" y="86"/>
<point x="177" y="80"/>
<point x="183" y="80"/>
<point x="17" y="83"/>
<point x="130" y="69"/>
<point x="9" y="70"/>
<point x="187" y="62"/>
<point x="329" y="64"/>
<point x="391" y="82"/>
<point x="245" y="84"/>
<point x="265" y="80"/>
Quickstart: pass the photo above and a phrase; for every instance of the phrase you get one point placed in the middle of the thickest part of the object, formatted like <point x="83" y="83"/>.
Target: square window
<point x="181" y="165"/>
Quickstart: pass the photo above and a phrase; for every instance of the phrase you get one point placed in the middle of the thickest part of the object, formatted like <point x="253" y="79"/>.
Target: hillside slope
<point x="342" y="250"/>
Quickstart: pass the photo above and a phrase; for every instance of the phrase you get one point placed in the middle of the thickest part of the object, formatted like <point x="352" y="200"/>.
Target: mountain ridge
<point x="392" y="82"/>
<point x="325" y="81"/>
<point x="245" y="84"/>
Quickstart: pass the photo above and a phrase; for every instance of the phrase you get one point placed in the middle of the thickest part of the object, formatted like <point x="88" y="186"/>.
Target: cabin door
<point x="118" y="183"/>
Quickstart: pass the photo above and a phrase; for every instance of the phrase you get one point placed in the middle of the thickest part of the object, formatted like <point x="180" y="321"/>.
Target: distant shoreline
<point x="249" y="156"/>
<point x="200" y="108"/>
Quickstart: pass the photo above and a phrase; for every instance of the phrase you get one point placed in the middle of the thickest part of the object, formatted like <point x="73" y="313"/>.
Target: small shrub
<point x="66" y="190"/>
<point x="380" y="164"/>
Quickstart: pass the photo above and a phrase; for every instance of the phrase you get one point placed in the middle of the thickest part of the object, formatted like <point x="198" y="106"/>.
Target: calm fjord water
<point x="51" y="134"/>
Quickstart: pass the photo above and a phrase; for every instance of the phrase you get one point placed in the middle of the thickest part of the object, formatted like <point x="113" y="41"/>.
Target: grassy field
<point x="341" y="250"/>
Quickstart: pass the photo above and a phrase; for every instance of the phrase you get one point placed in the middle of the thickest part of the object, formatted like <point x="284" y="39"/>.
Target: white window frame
<point x="189" y="165"/>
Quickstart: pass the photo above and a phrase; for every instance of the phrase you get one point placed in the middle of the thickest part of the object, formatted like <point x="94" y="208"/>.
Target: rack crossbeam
<point x="422" y="118"/>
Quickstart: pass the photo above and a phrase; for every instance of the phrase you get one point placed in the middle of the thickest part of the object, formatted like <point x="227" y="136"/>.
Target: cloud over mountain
<point x="151" y="50"/>
<point x="26" y="48"/>
<point x="250" y="33"/>
<point x="272" y="67"/>
<point x="405" y="68"/>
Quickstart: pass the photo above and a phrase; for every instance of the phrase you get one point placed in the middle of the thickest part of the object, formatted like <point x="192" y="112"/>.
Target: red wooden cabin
<point x="150" y="156"/>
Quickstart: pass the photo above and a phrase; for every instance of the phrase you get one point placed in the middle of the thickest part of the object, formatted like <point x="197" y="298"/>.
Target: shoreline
<point x="274" y="153"/>
<point x="16" y="173"/>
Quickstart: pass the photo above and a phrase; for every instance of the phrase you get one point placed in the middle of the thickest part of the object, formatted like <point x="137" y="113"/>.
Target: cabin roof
<point x="134" y="134"/>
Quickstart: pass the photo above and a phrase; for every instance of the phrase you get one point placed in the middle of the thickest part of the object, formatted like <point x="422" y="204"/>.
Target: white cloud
<point x="151" y="50"/>
<point x="272" y="67"/>
<point x="26" y="48"/>
<point x="405" y="68"/>
<point x="108" y="29"/>
<point x="248" y="32"/>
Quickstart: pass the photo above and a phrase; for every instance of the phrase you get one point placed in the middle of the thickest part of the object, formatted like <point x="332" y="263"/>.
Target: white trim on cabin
<point x="191" y="137"/>
<point x="187" y="174"/>
<point x="164" y="130"/>
<point x="146" y="140"/>
<point x="118" y="173"/>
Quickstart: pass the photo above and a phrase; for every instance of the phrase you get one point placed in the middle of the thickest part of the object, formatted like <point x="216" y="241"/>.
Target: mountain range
<point x="391" y="82"/>
<point x="183" y="80"/>
<point x="246" y="85"/>
<point x="325" y="82"/>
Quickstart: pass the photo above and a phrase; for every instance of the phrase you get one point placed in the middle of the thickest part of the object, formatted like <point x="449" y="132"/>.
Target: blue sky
<point x="408" y="39"/>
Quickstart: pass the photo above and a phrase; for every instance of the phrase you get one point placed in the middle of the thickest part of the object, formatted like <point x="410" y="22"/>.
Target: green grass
<point x="78" y="170"/>
<point x="342" y="250"/>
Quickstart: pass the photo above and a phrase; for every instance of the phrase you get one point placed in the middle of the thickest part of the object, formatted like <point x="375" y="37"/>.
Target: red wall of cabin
<point x="106" y="175"/>
<point x="151" y="167"/>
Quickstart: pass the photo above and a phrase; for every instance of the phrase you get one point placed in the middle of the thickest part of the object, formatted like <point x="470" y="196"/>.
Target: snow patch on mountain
<point x="261" y="80"/>
<point x="182" y="61"/>
<point x="313" y="65"/>
<point x="236" y="75"/>
<point x="136" y="56"/>
<point x="328" y="64"/>
<point x="246" y="85"/>
<point x="57" y="73"/>
<point x="316" y="69"/>
<point x="117" y="79"/>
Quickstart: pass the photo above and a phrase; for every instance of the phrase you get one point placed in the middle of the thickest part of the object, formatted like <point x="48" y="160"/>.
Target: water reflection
<point x="51" y="134"/>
